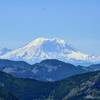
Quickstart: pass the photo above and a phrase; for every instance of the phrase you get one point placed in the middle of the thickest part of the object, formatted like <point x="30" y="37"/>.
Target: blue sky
<point x="77" y="21"/>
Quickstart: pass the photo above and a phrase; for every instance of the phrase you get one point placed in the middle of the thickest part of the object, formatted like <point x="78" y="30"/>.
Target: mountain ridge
<point x="46" y="70"/>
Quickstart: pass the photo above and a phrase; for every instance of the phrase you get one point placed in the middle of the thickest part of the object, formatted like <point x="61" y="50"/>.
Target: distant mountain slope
<point x="94" y="67"/>
<point x="4" y="51"/>
<point x="43" y="48"/>
<point x="47" y="70"/>
<point x="80" y="87"/>
<point x="53" y="69"/>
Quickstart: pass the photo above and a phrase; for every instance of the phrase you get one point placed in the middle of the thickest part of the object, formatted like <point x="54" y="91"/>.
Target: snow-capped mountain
<point x="43" y="48"/>
<point x="4" y="51"/>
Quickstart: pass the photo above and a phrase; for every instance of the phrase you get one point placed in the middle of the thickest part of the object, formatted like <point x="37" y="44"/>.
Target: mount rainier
<point x="44" y="48"/>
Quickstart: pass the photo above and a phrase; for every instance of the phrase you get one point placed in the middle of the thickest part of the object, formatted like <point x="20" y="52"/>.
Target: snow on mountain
<point x="4" y="51"/>
<point x="43" y="48"/>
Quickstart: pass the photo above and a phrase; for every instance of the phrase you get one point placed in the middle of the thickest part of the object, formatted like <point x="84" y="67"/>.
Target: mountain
<point x="4" y="51"/>
<point x="25" y="89"/>
<point x="16" y="68"/>
<point x="94" y="67"/>
<point x="47" y="70"/>
<point x="52" y="70"/>
<point x="81" y="87"/>
<point x="43" y="48"/>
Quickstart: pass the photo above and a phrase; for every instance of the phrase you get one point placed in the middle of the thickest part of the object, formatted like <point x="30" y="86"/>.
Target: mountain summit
<point x="44" y="48"/>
